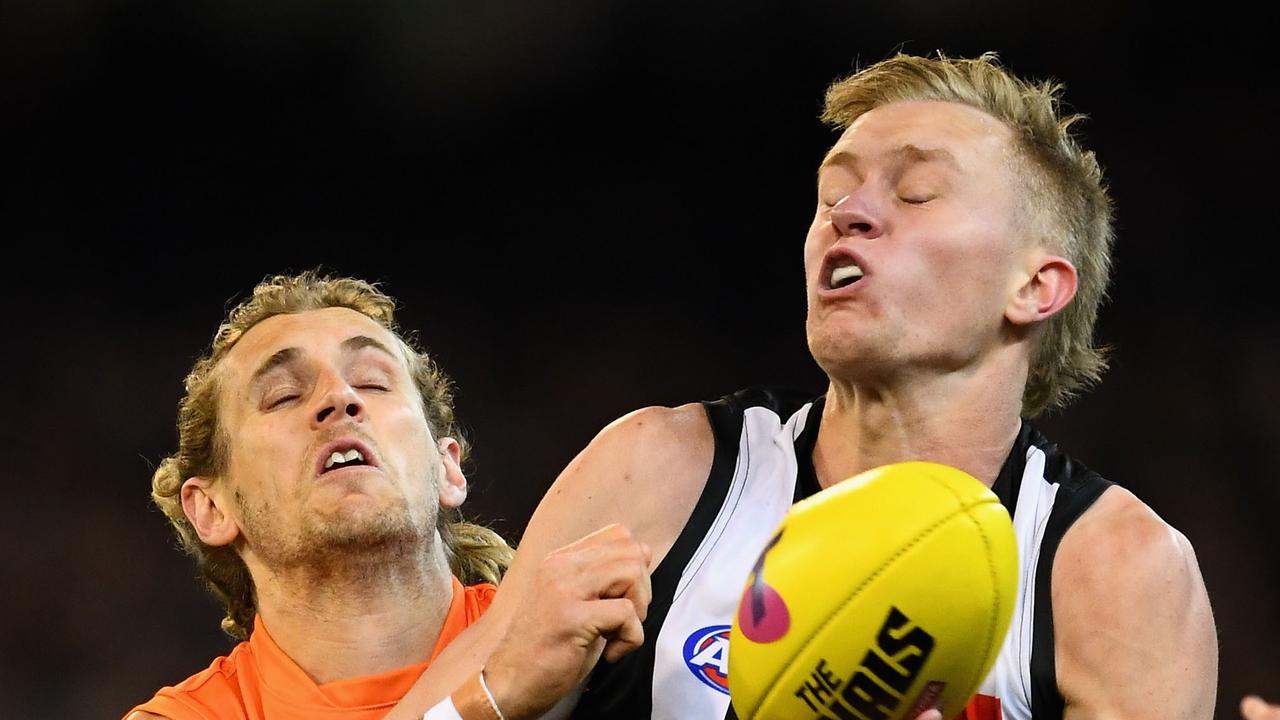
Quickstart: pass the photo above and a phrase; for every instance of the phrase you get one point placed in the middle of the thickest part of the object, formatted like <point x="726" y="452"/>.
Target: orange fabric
<point x="257" y="680"/>
<point x="982" y="707"/>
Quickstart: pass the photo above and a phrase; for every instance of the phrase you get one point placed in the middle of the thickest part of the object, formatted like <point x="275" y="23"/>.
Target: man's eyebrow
<point x="914" y="153"/>
<point x="281" y="357"/>
<point x="903" y="153"/>
<point x="840" y="157"/>
<point x="360" y="342"/>
<point x="291" y="354"/>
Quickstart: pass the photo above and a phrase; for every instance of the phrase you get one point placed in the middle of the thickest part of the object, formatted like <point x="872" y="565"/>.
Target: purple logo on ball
<point x="762" y="614"/>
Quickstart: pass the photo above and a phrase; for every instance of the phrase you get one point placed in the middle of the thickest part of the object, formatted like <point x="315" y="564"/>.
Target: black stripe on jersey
<point x="1009" y="481"/>
<point x="726" y="417"/>
<point x="806" y="475"/>
<point x="1078" y="488"/>
<point x="624" y="689"/>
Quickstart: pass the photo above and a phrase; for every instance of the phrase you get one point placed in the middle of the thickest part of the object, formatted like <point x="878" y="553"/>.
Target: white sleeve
<point x="443" y="710"/>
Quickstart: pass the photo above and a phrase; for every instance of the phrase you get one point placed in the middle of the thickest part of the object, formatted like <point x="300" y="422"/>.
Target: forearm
<point x="459" y="662"/>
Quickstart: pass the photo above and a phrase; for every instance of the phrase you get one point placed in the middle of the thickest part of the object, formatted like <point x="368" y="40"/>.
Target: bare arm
<point x="645" y="471"/>
<point x="1134" y="631"/>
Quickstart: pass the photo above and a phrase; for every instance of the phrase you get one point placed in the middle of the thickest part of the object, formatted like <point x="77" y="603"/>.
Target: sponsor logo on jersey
<point x="706" y="652"/>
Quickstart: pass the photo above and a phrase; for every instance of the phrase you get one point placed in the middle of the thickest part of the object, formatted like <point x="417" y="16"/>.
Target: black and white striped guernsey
<point x="764" y="441"/>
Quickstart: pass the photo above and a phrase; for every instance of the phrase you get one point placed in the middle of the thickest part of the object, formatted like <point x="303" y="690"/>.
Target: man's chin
<point x="836" y="352"/>
<point x="339" y="530"/>
<point x="364" y="522"/>
<point x="358" y="504"/>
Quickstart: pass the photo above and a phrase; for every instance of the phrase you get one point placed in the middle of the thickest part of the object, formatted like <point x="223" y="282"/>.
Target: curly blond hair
<point x="1064" y="194"/>
<point x="476" y="553"/>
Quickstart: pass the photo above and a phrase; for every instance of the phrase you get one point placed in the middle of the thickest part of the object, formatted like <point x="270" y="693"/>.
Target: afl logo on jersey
<point x="706" y="652"/>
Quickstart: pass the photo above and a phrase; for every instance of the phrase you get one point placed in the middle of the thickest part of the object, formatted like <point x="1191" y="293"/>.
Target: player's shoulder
<point x="644" y="471"/>
<point x="1132" y="625"/>
<point x="680" y="433"/>
<point x="689" y="430"/>
<point x="1122" y="533"/>
<point x="1121" y="567"/>
<point x="143" y="715"/>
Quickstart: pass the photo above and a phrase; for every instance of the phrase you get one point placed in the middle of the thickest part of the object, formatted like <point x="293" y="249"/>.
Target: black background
<point x="584" y="208"/>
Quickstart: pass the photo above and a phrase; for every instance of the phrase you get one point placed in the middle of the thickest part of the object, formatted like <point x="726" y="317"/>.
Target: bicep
<point x="1134" y="631"/>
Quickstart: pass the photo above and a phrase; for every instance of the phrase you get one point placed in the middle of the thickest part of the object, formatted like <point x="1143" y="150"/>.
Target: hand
<point x="1253" y="707"/>
<point x="589" y="597"/>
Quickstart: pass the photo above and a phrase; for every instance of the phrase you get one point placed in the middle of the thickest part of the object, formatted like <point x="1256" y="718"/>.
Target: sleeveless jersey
<point x="764" y="440"/>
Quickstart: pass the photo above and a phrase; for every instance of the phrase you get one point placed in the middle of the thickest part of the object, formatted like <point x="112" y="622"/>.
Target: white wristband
<point x="443" y="710"/>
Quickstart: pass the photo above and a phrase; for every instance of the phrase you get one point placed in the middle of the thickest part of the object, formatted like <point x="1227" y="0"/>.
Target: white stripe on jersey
<point x="707" y="595"/>
<point x="1010" y="677"/>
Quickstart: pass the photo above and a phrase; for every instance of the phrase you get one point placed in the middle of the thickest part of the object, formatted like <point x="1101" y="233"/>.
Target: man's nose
<point x="852" y="215"/>
<point x="341" y="401"/>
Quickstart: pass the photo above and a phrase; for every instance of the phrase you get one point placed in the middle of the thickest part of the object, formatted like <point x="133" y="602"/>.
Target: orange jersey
<point x="257" y="680"/>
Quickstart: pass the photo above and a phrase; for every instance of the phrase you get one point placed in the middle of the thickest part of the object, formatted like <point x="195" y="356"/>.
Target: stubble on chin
<point x="352" y="543"/>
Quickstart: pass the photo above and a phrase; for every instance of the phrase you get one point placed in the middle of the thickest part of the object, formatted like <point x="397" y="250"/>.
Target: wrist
<point x="475" y="701"/>
<point x="499" y="684"/>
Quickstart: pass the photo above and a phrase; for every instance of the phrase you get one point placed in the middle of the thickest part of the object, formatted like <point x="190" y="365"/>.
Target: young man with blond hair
<point x="317" y="481"/>
<point x="955" y="264"/>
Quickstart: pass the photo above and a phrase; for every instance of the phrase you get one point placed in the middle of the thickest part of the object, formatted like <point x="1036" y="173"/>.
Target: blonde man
<point x="955" y="264"/>
<point x="317" y="482"/>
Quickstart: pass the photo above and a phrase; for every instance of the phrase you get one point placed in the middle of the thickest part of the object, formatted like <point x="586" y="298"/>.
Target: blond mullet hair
<point x="476" y="553"/>
<point x="1064" y="196"/>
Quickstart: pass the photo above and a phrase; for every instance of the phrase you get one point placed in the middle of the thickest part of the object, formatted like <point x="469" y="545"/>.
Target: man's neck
<point x="968" y="421"/>
<point x="363" y="619"/>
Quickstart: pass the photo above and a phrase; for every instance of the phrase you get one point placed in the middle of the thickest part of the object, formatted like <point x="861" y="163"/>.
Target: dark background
<point x="585" y="207"/>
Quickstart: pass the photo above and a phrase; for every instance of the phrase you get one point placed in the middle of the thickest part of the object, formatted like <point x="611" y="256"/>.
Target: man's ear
<point x="453" y="485"/>
<point x="1047" y="286"/>
<point x="212" y="523"/>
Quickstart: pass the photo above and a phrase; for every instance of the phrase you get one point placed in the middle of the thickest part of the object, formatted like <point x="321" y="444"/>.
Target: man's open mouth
<point x="844" y="275"/>
<point x="338" y="459"/>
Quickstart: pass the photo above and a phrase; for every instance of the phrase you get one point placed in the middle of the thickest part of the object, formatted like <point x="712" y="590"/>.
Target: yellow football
<point x="880" y="597"/>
